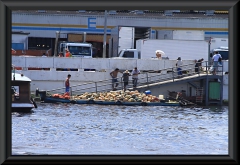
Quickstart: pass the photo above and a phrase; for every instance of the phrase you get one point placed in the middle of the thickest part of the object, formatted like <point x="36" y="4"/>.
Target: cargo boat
<point x="49" y="99"/>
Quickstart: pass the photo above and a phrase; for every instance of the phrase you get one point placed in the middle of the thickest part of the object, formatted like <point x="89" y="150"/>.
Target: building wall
<point x="46" y="24"/>
<point x="89" y="37"/>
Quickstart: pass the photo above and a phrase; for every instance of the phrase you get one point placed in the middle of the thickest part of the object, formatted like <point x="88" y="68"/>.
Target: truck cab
<point x="222" y="50"/>
<point x="129" y="53"/>
<point x="133" y="54"/>
<point x="83" y="50"/>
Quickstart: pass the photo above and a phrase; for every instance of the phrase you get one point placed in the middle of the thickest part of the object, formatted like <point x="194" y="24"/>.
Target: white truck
<point x="76" y="49"/>
<point x="123" y="37"/>
<point x="186" y="49"/>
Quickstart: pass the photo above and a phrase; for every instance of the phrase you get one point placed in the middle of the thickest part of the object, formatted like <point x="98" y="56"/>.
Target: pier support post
<point x="206" y="91"/>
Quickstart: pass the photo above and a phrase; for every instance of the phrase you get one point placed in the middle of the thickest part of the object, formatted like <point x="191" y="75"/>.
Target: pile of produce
<point x="127" y="96"/>
<point x="63" y="96"/>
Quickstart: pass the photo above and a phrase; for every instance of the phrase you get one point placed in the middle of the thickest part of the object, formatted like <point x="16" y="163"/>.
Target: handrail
<point x="105" y="85"/>
<point x="14" y="70"/>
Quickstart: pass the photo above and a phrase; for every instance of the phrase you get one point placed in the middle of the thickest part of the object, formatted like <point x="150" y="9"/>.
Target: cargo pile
<point x="63" y="96"/>
<point x="127" y="96"/>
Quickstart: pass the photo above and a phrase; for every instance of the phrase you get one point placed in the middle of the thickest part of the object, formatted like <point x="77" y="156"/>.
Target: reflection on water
<point x="96" y="129"/>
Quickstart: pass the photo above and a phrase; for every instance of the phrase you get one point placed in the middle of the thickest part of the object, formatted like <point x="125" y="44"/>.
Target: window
<point x="224" y="54"/>
<point x="128" y="54"/>
<point x="80" y="50"/>
<point x="37" y="43"/>
<point x="15" y="93"/>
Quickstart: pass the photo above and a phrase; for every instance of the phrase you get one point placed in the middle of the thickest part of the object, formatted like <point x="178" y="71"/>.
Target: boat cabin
<point x="21" y="95"/>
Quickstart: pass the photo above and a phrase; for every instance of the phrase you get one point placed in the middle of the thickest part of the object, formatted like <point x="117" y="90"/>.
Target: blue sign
<point x="18" y="46"/>
<point x="92" y="23"/>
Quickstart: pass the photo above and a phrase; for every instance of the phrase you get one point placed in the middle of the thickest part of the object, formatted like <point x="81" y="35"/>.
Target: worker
<point x="67" y="53"/>
<point x="13" y="51"/>
<point x="159" y="54"/>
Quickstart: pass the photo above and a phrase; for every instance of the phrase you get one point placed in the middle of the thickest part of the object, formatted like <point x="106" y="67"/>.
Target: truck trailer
<point x="186" y="49"/>
<point x="123" y="37"/>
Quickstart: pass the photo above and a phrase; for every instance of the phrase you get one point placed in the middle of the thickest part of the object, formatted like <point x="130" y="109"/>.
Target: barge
<point x="46" y="98"/>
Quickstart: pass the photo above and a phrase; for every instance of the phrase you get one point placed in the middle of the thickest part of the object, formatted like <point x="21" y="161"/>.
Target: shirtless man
<point x="114" y="74"/>
<point x="67" y="83"/>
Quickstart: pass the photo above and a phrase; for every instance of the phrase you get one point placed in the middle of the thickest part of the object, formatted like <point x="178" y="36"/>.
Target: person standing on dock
<point x="215" y="60"/>
<point x="67" y="83"/>
<point x="125" y="78"/>
<point x="114" y="74"/>
<point x="198" y="65"/>
<point x="179" y="66"/>
<point x="159" y="54"/>
<point x="67" y="53"/>
<point x="135" y="73"/>
<point x="60" y="54"/>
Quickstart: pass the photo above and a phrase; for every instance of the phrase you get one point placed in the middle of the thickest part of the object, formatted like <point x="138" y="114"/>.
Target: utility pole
<point x="105" y="36"/>
<point x="56" y="43"/>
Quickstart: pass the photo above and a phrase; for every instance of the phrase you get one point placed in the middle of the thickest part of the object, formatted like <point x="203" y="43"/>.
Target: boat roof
<point x="20" y="77"/>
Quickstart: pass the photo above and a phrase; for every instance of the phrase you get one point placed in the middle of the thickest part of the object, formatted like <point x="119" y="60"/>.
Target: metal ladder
<point x="199" y="94"/>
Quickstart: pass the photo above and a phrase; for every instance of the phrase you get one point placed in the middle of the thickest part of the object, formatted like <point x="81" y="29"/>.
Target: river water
<point x="71" y="129"/>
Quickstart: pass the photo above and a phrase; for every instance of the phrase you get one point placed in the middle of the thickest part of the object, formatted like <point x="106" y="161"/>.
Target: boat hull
<point x="22" y="107"/>
<point x="55" y="100"/>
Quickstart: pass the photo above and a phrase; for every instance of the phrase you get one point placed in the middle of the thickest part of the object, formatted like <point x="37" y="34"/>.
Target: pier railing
<point x="149" y="78"/>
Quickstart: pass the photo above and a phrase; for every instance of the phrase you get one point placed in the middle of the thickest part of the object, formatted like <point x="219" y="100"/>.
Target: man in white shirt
<point x="179" y="66"/>
<point x="215" y="59"/>
<point x="135" y="73"/>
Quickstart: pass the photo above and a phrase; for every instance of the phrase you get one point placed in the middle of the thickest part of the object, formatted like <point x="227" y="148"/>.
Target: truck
<point x="123" y="37"/>
<point x="186" y="49"/>
<point x="77" y="49"/>
<point x="188" y="35"/>
<point x="220" y="45"/>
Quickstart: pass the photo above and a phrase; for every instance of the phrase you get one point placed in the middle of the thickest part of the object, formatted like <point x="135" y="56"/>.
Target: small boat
<point x="21" y="95"/>
<point x="49" y="99"/>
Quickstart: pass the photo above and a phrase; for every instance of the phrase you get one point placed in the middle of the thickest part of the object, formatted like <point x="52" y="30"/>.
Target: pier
<point x="159" y="76"/>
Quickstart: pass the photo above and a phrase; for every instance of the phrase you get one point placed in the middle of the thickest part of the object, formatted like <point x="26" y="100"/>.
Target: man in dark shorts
<point x="125" y="79"/>
<point x="67" y="83"/>
<point x="114" y="74"/>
